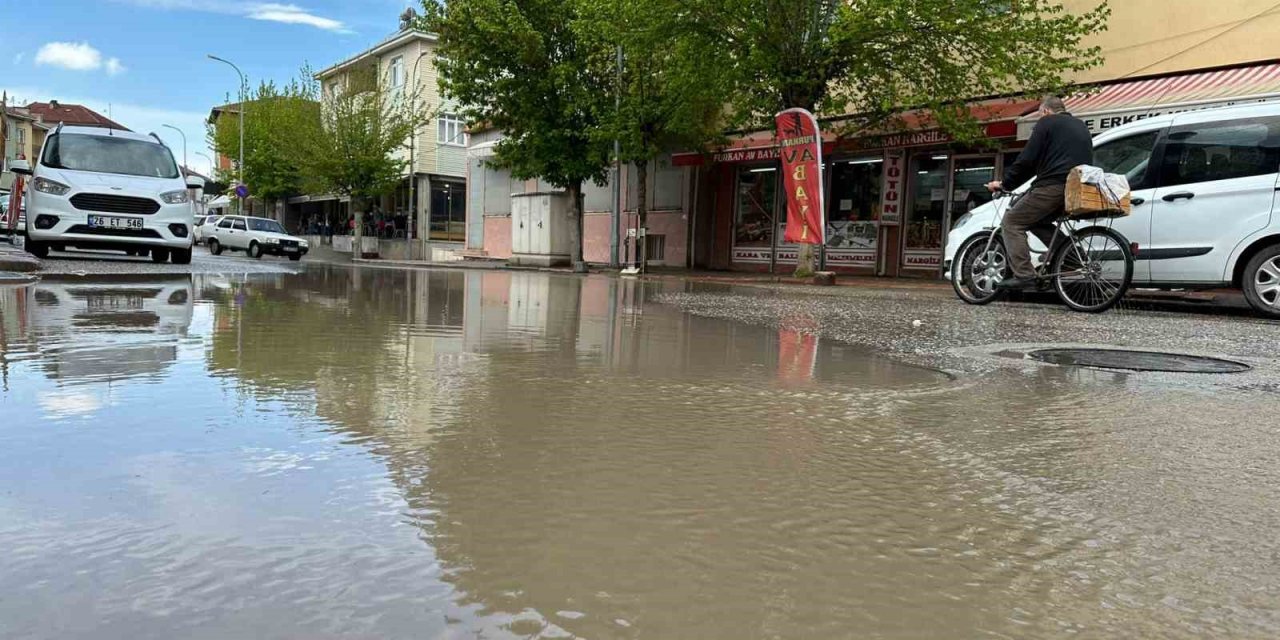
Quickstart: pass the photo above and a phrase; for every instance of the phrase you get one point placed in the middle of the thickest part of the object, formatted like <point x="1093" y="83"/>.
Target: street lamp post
<point x="185" y="166"/>
<point x="413" y="141"/>
<point x="204" y="199"/>
<point x="241" y="109"/>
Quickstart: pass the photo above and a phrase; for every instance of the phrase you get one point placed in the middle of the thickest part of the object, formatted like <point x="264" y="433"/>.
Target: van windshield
<point x="106" y="154"/>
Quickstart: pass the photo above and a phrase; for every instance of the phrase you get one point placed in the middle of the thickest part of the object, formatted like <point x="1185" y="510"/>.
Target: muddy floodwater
<point x="471" y="454"/>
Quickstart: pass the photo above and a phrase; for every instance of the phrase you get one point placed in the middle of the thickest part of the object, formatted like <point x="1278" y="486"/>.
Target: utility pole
<point x="617" y="175"/>
<point x="241" y="108"/>
<point x="413" y="141"/>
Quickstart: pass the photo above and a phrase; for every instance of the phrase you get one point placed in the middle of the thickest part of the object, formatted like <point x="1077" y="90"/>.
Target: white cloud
<point x="19" y="57"/>
<point x="76" y="56"/>
<point x="267" y="11"/>
<point x="293" y="14"/>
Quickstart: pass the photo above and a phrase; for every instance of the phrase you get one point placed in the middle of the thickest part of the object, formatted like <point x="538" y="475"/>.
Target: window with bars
<point x="451" y="130"/>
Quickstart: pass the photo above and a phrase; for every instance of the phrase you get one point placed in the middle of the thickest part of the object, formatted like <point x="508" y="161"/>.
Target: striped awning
<point x="1125" y="102"/>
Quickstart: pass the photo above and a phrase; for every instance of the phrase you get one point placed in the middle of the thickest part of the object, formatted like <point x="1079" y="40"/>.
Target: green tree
<point x="672" y="87"/>
<point x="275" y="118"/>
<point x="521" y="66"/>
<point x="873" y="58"/>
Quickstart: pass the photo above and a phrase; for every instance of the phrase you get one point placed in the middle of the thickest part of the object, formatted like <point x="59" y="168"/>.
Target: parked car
<point x="203" y="229"/>
<point x="95" y="188"/>
<point x="255" y="236"/>
<point x="1204" y="201"/>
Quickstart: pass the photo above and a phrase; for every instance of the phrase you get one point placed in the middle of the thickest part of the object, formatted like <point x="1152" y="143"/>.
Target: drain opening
<point x="1137" y="361"/>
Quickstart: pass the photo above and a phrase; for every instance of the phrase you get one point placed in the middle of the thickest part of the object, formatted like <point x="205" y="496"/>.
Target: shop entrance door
<point x="923" y="224"/>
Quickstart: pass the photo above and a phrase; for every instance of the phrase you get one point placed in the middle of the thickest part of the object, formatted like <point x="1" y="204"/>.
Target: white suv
<point x="255" y="236"/>
<point x="1204" y="201"/>
<point x="96" y="188"/>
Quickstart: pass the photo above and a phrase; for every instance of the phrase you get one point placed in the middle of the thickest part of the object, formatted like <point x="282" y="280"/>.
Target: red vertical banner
<point x="801" y="151"/>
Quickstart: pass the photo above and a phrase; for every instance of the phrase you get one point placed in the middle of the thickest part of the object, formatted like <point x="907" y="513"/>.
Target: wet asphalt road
<point x="107" y="263"/>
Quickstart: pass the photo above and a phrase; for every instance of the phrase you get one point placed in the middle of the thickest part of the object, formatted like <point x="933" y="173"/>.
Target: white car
<point x="255" y="236"/>
<point x="96" y="188"/>
<point x="203" y="229"/>
<point x="1204" y="201"/>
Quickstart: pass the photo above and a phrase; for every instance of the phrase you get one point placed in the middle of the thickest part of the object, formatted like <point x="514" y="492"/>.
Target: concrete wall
<point x="1192" y="34"/>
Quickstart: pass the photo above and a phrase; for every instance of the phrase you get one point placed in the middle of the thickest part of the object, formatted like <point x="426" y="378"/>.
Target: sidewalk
<point x="15" y="259"/>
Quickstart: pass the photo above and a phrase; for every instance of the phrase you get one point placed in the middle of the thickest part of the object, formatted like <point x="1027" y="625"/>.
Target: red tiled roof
<point x="72" y="114"/>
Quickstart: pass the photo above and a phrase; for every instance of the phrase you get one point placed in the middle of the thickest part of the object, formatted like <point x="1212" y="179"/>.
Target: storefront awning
<point x="918" y="129"/>
<point x="1126" y="102"/>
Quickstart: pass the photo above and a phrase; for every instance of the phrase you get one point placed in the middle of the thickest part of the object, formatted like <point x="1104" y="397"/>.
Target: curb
<point x="12" y="259"/>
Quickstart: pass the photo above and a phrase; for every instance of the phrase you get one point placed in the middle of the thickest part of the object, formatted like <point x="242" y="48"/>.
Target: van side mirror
<point x="20" y="167"/>
<point x="195" y="182"/>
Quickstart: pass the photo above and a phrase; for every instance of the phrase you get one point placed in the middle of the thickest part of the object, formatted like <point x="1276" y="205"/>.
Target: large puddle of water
<point x="441" y="454"/>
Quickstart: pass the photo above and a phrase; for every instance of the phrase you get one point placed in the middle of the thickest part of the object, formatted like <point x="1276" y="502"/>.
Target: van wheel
<point x="255" y="250"/>
<point x="37" y="249"/>
<point x="182" y="256"/>
<point x="159" y="255"/>
<point x="1261" y="282"/>
<point x="215" y="247"/>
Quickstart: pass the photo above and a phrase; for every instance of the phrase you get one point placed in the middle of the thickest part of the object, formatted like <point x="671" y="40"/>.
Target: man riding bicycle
<point x="1059" y="143"/>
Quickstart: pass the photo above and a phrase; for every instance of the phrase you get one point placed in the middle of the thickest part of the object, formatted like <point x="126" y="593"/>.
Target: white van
<point x="1204" y="201"/>
<point x="96" y="188"/>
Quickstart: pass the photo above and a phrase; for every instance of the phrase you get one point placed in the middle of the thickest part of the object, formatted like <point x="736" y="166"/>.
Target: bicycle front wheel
<point x="1092" y="272"/>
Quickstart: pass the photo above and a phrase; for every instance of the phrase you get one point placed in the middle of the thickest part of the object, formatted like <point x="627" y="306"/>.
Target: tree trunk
<point x="642" y="214"/>
<point x="357" y="234"/>
<point x="574" y="192"/>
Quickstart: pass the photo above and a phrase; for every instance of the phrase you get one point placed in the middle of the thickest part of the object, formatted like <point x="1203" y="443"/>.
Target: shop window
<point x="448" y="211"/>
<point x="923" y="228"/>
<point x="598" y="197"/>
<point x="853" y="208"/>
<point x="756" y="206"/>
<point x="666" y="183"/>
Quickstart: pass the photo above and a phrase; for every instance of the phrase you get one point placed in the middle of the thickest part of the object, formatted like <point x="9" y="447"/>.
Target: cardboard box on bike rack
<point x="1090" y="201"/>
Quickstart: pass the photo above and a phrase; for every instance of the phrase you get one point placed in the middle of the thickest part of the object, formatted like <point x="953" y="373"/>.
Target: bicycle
<point x="1090" y="268"/>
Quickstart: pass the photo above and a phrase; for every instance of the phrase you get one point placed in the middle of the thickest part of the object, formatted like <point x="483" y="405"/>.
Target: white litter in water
<point x="916" y="323"/>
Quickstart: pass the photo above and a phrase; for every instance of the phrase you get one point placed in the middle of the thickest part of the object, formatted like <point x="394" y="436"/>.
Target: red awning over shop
<point x="1125" y="102"/>
<point x="999" y="118"/>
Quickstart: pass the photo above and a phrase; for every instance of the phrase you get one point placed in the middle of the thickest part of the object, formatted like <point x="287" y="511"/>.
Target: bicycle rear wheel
<point x="1092" y="272"/>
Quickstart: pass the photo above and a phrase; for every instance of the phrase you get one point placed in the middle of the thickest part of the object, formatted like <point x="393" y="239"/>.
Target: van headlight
<point x="45" y="185"/>
<point x="174" y="197"/>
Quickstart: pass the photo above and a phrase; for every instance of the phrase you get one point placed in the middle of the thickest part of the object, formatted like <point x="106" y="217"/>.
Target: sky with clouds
<point x="144" y="62"/>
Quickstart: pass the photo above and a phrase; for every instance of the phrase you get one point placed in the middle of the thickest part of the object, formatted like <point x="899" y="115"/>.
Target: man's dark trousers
<point x="1034" y="212"/>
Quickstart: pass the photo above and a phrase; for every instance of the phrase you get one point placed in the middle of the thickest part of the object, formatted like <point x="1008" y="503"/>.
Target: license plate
<point x="115" y="222"/>
<point x="290" y="249"/>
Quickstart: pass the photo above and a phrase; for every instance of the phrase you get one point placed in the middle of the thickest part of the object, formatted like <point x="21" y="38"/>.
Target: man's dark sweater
<point x="1059" y="143"/>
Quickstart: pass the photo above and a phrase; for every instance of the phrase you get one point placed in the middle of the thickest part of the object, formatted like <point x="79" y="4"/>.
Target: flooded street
<point x="346" y="453"/>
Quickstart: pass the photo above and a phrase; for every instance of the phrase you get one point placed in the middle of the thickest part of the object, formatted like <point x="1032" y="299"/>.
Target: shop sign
<point x="918" y="260"/>
<point x="752" y="255"/>
<point x="891" y="188"/>
<point x="746" y="155"/>
<point x="904" y="139"/>
<point x="801" y="149"/>
<point x="861" y="258"/>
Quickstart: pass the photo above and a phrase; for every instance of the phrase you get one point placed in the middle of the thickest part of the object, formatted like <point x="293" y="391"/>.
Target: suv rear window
<point x="107" y="154"/>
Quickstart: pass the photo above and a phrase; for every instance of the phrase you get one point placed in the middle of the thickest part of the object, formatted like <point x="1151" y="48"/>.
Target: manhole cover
<point x="1137" y="360"/>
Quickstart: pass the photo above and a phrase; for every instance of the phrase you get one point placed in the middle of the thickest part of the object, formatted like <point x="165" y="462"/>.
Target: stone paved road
<point x="931" y="327"/>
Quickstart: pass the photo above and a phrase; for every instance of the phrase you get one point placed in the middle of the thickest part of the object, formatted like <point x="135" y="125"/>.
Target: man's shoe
<point x="1016" y="284"/>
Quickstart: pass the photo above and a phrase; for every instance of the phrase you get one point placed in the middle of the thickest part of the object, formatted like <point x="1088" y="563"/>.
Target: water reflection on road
<point x="348" y="453"/>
